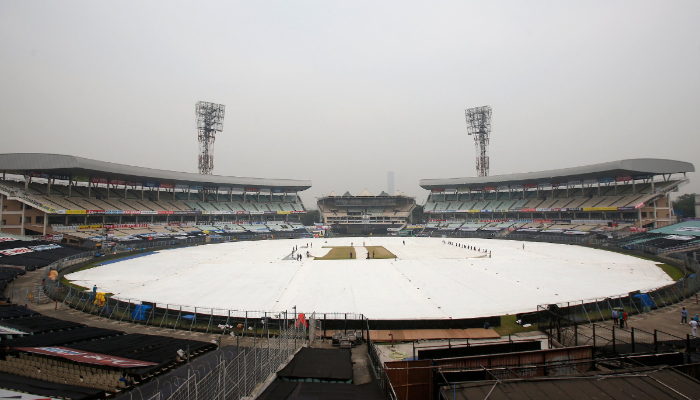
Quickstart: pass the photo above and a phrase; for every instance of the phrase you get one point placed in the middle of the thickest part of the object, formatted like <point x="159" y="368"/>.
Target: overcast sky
<point x="342" y="92"/>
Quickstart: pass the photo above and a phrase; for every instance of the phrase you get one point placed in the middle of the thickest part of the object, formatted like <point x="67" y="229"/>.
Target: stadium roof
<point x="638" y="167"/>
<point x="57" y="164"/>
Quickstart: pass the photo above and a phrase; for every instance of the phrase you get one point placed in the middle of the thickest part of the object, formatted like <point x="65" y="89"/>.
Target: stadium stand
<point x="618" y="194"/>
<point x="40" y="192"/>
<point x="46" y="349"/>
<point x="366" y="213"/>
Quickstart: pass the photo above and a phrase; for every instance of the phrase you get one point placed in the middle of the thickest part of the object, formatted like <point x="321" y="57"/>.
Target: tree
<point x="310" y="217"/>
<point x="684" y="205"/>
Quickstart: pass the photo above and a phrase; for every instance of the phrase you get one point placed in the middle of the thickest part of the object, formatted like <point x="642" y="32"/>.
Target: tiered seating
<point x="62" y="372"/>
<point x="168" y="201"/>
<point x="625" y="196"/>
<point x="158" y="350"/>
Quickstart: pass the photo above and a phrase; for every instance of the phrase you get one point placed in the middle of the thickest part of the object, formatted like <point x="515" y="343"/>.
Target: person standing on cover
<point x="684" y="316"/>
<point x="614" y="316"/>
<point x="694" y="326"/>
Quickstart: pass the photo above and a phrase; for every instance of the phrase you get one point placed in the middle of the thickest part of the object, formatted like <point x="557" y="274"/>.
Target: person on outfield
<point x="684" y="316"/>
<point x="694" y="327"/>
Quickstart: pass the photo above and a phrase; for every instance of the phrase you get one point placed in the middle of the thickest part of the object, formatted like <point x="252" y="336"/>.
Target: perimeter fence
<point x="573" y="323"/>
<point x="195" y="318"/>
<point x="607" y="340"/>
<point x="241" y="373"/>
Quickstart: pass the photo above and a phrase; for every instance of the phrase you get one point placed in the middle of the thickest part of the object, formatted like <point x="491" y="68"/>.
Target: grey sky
<point x="341" y="93"/>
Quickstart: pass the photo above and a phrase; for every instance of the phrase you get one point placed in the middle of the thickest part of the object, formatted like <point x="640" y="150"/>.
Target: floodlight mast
<point x="210" y="119"/>
<point x="479" y="125"/>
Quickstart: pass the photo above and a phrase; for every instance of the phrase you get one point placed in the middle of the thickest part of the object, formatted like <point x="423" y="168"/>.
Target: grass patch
<point x="339" y="253"/>
<point x="675" y="273"/>
<point x="509" y="327"/>
<point x="66" y="282"/>
<point x="379" y="252"/>
<point x="343" y="253"/>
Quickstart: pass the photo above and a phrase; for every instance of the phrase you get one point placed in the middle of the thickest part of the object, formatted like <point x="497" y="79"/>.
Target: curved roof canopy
<point x="57" y="164"/>
<point x="637" y="168"/>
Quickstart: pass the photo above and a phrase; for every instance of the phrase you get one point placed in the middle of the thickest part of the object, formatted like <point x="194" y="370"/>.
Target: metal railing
<point x="379" y="372"/>
<point x="592" y="310"/>
<point x="615" y="340"/>
<point x="241" y="374"/>
<point x="378" y="369"/>
<point x="573" y="323"/>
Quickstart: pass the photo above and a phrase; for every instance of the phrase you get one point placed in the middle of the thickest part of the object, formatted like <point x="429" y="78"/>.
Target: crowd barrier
<point x="242" y="374"/>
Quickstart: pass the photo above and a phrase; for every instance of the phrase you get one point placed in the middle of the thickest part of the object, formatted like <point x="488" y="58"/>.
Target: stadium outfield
<point x="428" y="279"/>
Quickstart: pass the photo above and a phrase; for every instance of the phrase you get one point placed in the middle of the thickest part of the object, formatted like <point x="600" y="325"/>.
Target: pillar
<point x="24" y="207"/>
<point x="46" y="222"/>
<point x="2" y="206"/>
<point x="639" y="216"/>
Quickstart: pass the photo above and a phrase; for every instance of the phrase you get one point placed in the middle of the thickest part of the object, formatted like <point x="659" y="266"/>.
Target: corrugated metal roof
<point x="637" y="384"/>
<point x="612" y="169"/>
<point x="24" y="163"/>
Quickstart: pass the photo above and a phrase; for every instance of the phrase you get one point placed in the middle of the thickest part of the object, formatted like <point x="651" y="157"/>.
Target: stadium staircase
<point x="38" y="295"/>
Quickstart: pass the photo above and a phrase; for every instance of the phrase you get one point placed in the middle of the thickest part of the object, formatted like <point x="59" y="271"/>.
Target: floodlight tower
<point x="210" y="119"/>
<point x="479" y="125"/>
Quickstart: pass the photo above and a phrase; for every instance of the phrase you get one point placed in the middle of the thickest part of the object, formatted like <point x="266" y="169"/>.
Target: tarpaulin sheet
<point x="329" y="364"/>
<point x="282" y="390"/>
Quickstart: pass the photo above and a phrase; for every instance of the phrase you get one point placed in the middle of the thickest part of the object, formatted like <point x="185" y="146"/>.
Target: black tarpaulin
<point x="326" y="364"/>
<point x="283" y="390"/>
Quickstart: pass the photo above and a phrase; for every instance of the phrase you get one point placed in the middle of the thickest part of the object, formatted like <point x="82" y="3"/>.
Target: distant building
<point x="366" y="213"/>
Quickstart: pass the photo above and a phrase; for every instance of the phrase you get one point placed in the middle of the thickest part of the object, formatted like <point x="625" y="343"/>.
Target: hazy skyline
<point x="342" y="93"/>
